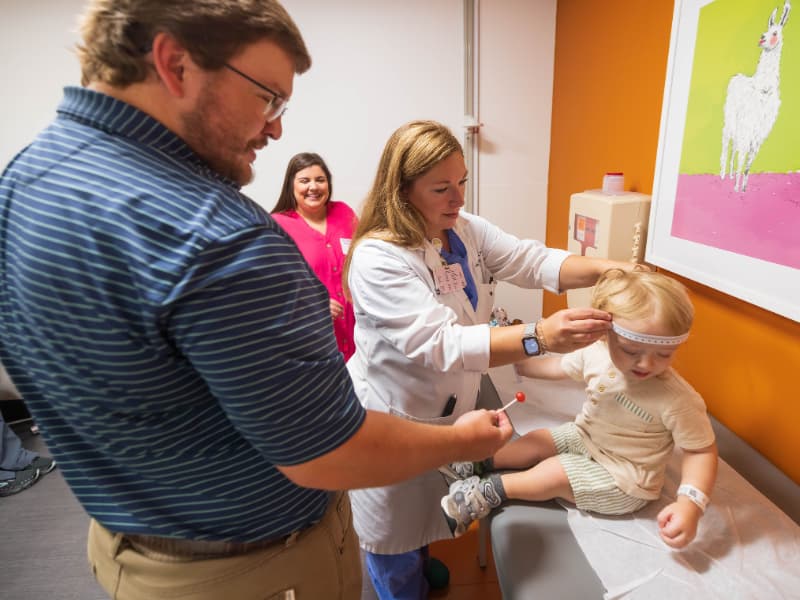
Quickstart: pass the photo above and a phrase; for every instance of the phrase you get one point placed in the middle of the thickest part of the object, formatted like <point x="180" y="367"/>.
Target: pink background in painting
<point x="763" y="222"/>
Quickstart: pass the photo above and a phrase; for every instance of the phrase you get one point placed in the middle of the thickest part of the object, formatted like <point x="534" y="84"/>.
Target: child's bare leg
<point x="545" y="481"/>
<point x="526" y="451"/>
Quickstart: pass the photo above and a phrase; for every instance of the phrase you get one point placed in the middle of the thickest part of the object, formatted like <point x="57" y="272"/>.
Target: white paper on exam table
<point x="746" y="547"/>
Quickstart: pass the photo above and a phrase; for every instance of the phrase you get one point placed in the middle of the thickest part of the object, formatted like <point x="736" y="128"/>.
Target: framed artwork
<point x="726" y="197"/>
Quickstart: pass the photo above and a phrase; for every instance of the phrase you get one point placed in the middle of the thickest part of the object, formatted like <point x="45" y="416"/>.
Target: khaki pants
<point x="322" y="562"/>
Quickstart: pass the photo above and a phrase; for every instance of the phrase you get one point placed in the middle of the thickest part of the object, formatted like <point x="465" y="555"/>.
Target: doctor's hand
<point x="482" y="433"/>
<point x="573" y="328"/>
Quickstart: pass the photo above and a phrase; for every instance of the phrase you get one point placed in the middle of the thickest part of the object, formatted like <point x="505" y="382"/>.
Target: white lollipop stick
<point x="518" y="397"/>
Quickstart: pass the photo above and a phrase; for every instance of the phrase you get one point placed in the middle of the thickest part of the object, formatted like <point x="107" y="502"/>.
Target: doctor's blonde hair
<point x="640" y="295"/>
<point x="411" y="151"/>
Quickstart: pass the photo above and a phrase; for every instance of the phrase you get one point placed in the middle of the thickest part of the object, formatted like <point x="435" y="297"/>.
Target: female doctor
<point x="421" y="275"/>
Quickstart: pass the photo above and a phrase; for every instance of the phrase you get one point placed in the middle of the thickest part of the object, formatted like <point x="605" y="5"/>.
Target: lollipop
<point x="518" y="397"/>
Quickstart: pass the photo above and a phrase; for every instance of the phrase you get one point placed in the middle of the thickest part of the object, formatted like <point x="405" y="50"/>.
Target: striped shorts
<point x="593" y="487"/>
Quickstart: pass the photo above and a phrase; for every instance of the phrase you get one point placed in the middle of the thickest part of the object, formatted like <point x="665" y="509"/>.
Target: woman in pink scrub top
<point x="322" y="229"/>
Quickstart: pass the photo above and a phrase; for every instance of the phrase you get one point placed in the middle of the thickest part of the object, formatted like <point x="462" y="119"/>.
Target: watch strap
<point x="539" y="328"/>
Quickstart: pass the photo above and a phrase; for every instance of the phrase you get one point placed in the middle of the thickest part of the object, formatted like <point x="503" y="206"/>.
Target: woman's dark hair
<point x="286" y="201"/>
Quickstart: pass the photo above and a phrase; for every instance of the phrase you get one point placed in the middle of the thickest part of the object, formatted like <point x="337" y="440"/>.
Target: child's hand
<point x="677" y="522"/>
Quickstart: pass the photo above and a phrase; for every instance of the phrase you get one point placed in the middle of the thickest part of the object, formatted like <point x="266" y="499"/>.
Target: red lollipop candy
<point x="518" y="397"/>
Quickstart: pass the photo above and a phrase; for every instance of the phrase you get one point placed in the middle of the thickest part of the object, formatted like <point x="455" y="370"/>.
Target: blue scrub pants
<point x="399" y="576"/>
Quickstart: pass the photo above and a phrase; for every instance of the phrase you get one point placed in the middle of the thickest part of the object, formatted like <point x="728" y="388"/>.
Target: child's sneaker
<point x="469" y="499"/>
<point x="457" y="470"/>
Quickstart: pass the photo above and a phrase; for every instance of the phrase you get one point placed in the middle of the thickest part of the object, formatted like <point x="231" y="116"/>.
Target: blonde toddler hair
<point x="640" y="294"/>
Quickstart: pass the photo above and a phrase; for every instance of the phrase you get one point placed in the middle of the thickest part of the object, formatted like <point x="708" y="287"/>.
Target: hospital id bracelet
<point x="694" y="494"/>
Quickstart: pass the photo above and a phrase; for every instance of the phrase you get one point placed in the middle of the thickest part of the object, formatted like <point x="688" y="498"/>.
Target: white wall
<point x="377" y="64"/>
<point x="36" y="41"/>
<point x="517" y="46"/>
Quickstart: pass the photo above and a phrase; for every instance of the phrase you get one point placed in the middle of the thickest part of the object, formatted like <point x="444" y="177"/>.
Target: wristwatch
<point x="530" y="341"/>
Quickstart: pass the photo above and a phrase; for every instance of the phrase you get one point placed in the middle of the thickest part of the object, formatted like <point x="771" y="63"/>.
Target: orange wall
<point x="610" y="64"/>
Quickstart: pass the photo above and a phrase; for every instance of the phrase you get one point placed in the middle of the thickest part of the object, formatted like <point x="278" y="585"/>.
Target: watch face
<point x="531" y="346"/>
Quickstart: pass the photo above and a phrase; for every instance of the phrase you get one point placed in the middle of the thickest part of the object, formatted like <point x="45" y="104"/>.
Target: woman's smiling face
<point x="310" y="190"/>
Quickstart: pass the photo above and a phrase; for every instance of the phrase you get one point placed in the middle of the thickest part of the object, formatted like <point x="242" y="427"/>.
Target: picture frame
<point x="723" y="216"/>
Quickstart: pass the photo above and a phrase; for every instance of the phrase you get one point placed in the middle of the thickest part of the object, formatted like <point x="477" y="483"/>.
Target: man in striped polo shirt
<point x="169" y="338"/>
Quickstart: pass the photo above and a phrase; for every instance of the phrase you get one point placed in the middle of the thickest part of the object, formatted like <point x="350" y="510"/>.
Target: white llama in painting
<point x="752" y="103"/>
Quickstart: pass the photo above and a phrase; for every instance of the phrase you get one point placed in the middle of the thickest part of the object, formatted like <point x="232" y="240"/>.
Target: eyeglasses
<point x="275" y="106"/>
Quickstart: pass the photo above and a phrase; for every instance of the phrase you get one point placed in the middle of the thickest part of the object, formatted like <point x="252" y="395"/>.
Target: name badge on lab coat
<point x="449" y="278"/>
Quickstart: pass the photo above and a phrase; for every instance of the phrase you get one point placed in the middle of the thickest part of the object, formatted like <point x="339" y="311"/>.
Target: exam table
<point x="534" y="549"/>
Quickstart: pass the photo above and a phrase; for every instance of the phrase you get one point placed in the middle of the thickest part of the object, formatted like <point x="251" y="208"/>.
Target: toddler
<point x="611" y="460"/>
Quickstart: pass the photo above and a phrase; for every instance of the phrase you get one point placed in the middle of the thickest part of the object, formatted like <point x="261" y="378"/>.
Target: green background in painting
<point x="727" y="43"/>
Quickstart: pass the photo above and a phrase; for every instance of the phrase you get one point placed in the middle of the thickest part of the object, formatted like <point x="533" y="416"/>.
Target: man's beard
<point x="212" y="136"/>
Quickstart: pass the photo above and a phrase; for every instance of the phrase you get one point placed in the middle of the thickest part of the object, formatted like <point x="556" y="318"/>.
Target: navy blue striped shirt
<point x="167" y="336"/>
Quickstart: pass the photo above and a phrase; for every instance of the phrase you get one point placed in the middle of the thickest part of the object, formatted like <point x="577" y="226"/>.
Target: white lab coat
<point x="415" y="348"/>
